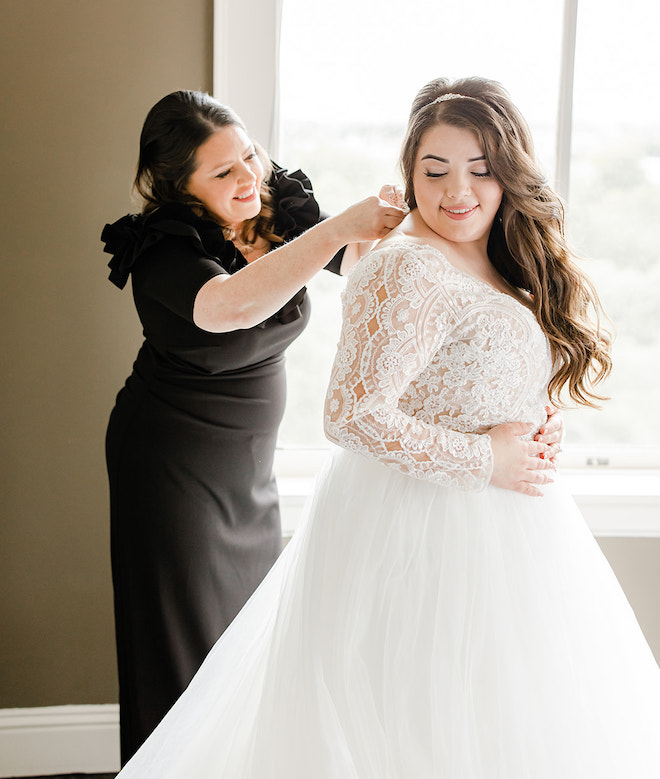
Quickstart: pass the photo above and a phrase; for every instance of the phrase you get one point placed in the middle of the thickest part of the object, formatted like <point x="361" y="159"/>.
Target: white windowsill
<point x="615" y="502"/>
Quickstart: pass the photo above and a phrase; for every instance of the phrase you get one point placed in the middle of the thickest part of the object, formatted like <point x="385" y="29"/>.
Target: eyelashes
<point x="431" y="175"/>
<point x="247" y="158"/>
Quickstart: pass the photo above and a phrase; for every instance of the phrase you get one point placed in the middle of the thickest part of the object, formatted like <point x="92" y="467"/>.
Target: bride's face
<point x="457" y="197"/>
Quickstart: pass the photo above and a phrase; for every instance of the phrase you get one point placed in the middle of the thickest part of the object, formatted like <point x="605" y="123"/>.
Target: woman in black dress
<point x="194" y="508"/>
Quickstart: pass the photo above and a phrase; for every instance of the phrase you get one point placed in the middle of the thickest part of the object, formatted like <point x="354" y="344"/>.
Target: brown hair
<point x="527" y="244"/>
<point x="174" y="129"/>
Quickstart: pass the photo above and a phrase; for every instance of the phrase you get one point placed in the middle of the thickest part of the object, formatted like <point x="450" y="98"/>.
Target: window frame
<point x="626" y="501"/>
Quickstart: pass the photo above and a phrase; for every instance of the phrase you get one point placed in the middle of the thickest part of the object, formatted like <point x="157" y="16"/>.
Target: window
<point x="348" y="73"/>
<point x="614" y="206"/>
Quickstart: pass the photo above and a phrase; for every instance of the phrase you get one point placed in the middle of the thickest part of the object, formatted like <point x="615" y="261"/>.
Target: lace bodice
<point x="429" y="359"/>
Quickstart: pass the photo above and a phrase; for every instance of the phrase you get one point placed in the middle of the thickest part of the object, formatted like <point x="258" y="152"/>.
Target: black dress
<point x="195" y="521"/>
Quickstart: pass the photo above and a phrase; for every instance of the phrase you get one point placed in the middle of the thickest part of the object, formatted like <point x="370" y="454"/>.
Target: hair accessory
<point x="452" y="96"/>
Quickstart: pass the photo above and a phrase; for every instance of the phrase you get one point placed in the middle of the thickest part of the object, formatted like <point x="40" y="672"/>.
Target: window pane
<point x="614" y="205"/>
<point x="349" y="72"/>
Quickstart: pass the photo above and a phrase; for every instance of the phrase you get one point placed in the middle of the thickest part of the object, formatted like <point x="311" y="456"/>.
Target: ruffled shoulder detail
<point x="297" y="209"/>
<point x="124" y="240"/>
<point x="132" y="235"/>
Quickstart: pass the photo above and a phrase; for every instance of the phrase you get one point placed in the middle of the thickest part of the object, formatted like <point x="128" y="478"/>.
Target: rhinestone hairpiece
<point x="456" y="96"/>
<point x="452" y="96"/>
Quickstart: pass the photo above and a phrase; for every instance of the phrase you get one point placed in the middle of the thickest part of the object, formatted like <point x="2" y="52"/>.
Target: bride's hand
<point x="517" y="463"/>
<point x="552" y="432"/>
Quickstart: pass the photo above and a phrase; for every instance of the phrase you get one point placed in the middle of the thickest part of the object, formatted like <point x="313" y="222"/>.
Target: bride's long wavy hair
<point x="527" y="244"/>
<point x="174" y="129"/>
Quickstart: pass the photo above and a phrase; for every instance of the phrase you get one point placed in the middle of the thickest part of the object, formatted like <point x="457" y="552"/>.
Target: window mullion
<point x="246" y="63"/>
<point x="565" y="110"/>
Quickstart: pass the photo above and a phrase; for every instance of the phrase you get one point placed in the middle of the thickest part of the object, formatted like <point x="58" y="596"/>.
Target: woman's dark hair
<point x="174" y="129"/>
<point x="526" y="243"/>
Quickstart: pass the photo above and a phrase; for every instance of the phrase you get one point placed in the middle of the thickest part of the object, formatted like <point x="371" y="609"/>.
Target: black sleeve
<point x="297" y="209"/>
<point x="334" y="266"/>
<point x="173" y="272"/>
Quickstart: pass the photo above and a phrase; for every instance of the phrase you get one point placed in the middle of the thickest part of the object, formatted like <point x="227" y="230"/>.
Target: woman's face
<point x="457" y="197"/>
<point x="228" y="177"/>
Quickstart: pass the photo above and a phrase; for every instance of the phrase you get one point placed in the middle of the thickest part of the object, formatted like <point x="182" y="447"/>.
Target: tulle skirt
<point x="413" y="631"/>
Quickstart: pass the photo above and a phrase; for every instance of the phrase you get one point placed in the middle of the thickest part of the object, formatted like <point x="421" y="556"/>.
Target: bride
<point x="443" y="612"/>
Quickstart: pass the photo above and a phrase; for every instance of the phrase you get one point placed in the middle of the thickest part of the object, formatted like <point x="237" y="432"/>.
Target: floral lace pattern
<point x="430" y="358"/>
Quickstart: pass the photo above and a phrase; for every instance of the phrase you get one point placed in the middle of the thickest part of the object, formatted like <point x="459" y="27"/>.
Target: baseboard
<point x="59" y="740"/>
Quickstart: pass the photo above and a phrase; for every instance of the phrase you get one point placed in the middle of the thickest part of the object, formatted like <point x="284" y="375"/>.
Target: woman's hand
<point x="252" y="294"/>
<point x="369" y="220"/>
<point x="394" y="195"/>
<point x="552" y="432"/>
<point x="519" y="465"/>
<point x="386" y="206"/>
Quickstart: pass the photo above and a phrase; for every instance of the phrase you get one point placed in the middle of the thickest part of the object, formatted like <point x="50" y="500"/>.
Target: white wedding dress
<point x="422" y="624"/>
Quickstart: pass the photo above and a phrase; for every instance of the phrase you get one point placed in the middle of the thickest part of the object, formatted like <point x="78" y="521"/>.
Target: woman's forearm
<point x="254" y="293"/>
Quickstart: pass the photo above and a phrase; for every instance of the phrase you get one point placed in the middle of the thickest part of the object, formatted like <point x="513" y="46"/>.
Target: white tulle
<point x="420" y="624"/>
<point x="416" y="630"/>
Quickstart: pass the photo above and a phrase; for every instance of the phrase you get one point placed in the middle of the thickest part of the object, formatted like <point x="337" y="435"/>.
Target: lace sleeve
<point x="396" y="316"/>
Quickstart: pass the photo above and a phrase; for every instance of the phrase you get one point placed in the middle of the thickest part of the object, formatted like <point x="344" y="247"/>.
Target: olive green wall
<point x="78" y="78"/>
